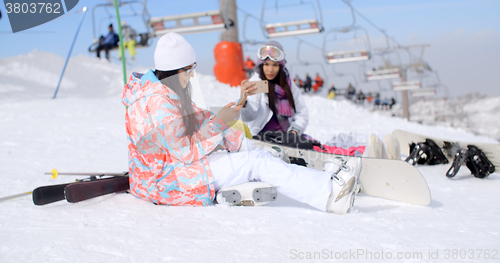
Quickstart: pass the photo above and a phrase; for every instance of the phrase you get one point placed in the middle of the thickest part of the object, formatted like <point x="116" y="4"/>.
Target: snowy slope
<point x="472" y="112"/>
<point x="83" y="130"/>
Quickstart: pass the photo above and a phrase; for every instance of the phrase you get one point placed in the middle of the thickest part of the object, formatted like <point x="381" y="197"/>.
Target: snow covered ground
<point x="472" y="112"/>
<point x="83" y="130"/>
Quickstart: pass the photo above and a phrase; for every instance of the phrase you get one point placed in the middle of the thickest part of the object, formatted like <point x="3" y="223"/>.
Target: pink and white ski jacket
<point x="166" y="167"/>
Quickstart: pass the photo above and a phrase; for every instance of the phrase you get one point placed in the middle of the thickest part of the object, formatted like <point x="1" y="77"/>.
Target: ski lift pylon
<point x="293" y="28"/>
<point x="214" y="18"/>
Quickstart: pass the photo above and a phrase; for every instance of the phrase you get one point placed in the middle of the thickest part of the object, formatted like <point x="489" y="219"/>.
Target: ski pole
<point x="15" y="196"/>
<point x="70" y="50"/>
<point x="54" y="173"/>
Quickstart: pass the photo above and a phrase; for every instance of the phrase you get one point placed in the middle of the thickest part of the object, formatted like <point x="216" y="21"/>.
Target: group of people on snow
<point x="361" y="98"/>
<point x="307" y="83"/>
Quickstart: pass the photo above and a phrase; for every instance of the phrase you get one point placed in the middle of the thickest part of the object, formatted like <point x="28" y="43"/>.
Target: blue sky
<point x="464" y="36"/>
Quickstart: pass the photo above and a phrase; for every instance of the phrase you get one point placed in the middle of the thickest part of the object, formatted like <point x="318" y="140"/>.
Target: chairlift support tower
<point x="415" y="64"/>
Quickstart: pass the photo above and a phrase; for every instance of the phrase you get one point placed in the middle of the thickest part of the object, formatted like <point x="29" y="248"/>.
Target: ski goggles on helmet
<point x="189" y="70"/>
<point x="273" y="53"/>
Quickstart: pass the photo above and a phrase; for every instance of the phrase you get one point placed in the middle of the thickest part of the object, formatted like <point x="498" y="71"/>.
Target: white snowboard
<point x="391" y="179"/>
<point x="405" y="138"/>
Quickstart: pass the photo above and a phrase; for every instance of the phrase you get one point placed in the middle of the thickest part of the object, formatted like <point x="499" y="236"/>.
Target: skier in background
<point x="173" y="157"/>
<point x="361" y="97"/>
<point x="369" y="98"/>
<point x="129" y="40"/>
<point x="298" y="82"/>
<point x="249" y="65"/>
<point x="307" y="83"/>
<point x="318" y="83"/>
<point x="107" y="42"/>
<point x="392" y="102"/>
<point x="331" y="92"/>
<point x="377" y="103"/>
<point x="351" y="91"/>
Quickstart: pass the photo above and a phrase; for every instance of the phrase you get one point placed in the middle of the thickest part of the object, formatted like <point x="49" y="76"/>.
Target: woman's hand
<point x="248" y="87"/>
<point x="228" y="114"/>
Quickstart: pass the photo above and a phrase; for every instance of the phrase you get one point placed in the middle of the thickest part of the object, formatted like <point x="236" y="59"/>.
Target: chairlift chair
<point x="390" y="73"/>
<point x="346" y="55"/>
<point x="212" y="21"/>
<point x="406" y="85"/>
<point x="144" y="38"/>
<point x="292" y="28"/>
<point x="423" y="92"/>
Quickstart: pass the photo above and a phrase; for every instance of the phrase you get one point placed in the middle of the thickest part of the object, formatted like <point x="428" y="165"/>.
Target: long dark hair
<point x="281" y="80"/>
<point x="169" y="79"/>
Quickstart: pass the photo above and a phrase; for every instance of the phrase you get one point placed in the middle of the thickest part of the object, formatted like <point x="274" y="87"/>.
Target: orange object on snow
<point x="229" y="66"/>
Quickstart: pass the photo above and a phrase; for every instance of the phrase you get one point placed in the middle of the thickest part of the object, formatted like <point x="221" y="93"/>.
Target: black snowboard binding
<point x="427" y="152"/>
<point x="474" y="159"/>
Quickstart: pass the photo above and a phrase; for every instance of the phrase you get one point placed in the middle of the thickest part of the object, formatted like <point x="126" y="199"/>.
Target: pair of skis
<point x="97" y="184"/>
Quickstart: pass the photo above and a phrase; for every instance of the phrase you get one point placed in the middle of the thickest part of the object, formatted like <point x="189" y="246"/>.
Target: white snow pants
<point x="251" y="163"/>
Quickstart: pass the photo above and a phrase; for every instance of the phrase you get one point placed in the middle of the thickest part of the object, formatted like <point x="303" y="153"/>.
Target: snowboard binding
<point x="427" y="152"/>
<point x="247" y="194"/>
<point x="474" y="159"/>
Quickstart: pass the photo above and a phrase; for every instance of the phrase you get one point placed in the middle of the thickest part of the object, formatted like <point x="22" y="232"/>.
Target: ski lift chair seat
<point x="348" y="56"/>
<point x="423" y="92"/>
<point x="406" y="85"/>
<point x="383" y="74"/>
<point x="294" y="28"/>
<point x="194" y="26"/>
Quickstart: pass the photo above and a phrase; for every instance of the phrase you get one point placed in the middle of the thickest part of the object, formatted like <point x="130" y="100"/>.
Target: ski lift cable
<point x="344" y="74"/>
<point x="311" y="63"/>
<point x="243" y="34"/>
<point x="353" y="10"/>
<point x="379" y="29"/>
<point x="382" y="31"/>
